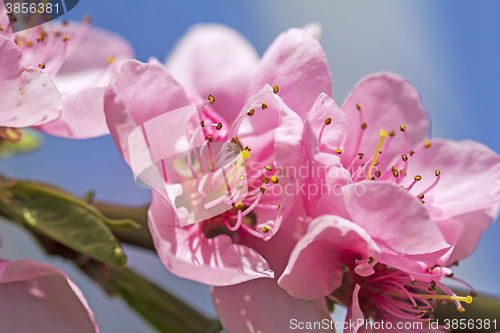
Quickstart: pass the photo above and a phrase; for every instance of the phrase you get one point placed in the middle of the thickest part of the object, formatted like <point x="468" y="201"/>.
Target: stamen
<point x="383" y="134"/>
<point x="328" y="121"/>
<point x="363" y="127"/>
<point x="276" y="89"/>
<point x="438" y="175"/>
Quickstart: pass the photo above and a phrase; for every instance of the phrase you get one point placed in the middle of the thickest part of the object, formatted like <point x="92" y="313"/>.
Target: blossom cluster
<point x="376" y="223"/>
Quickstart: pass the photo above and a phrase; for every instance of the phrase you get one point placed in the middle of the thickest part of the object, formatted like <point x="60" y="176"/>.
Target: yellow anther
<point x="467" y="299"/>
<point x="202" y="123"/>
<point x="377" y="163"/>
<point x="229" y="148"/>
<point x="438" y="173"/>
<point x="243" y="177"/>
<point x="358" y="106"/>
<point x="66" y="38"/>
<point x="338" y="151"/>
<point x="211" y="99"/>
<point x="264" y="106"/>
<point x="392" y="133"/>
<point x="65" y="23"/>
<point x="420" y="196"/>
<point x="328" y="121"/>
<point x="427" y="144"/>
<point x="268" y="168"/>
<point x="377" y="173"/>
<point x="219" y="126"/>
<point x="234" y="139"/>
<point x="265" y="180"/>
<point x="210" y="138"/>
<point x="111" y="59"/>
<point x="262" y="189"/>
<point x="276" y="89"/>
<point x="401" y="172"/>
<point x="417" y="178"/>
<point x="404" y="157"/>
<point x="412" y="152"/>
<point x="246" y="155"/>
<point x="274" y="179"/>
<point x="402" y="128"/>
<point x="395" y="173"/>
<point x="42" y="65"/>
<point x="265" y="229"/>
<point x="239" y="205"/>
<point x="248" y="148"/>
<point x="383" y="134"/>
<point x="361" y="155"/>
<point x="279" y="205"/>
<point x="363" y="126"/>
<point x="251" y="112"/>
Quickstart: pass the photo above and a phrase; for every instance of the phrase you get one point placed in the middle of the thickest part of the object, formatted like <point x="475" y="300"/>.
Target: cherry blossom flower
<point x="54" y="76"/>
<point x="37" y="297"/>
<point x="262" y="125"/>
<point x="343" y="258"/>
<point x="381" y="134"/>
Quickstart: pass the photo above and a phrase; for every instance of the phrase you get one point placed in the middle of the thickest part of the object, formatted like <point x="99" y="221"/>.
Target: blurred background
<point x="449" y="49"/>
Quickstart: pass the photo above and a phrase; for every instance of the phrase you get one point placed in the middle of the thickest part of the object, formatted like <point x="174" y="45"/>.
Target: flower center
<point x="390" y="291"/>
<point x="48" y="49"/>
<point x="370" y="170"/>
<point x="225" y="181"/>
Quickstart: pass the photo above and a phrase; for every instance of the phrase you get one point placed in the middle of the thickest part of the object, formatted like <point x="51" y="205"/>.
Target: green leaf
<point x="161" y="309"/>
<point x="64" y="218"/>
<point x="29" y="142"/>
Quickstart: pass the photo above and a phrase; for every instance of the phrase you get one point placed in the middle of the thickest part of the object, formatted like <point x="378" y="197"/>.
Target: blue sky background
<point x="449" y="49"/>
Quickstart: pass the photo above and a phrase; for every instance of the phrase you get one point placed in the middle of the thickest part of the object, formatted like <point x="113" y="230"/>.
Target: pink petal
<point x="297" y="64"/>
<point x="326" y="176"/>
<point x="138" y="93"/>
<point x="28" y="96"/>
<point x="387" y="101"/>
<point x="262" y="306"/>
<point x="354" y="313"/>
<point x="215" y="59"/>
<point x="473" y="226"/>
<point x="315" y="265"/>
<point x="378" y="208"/>
<point x="288" y="156"/>
<point x="470" y="177"/>
<point x="36" y="297"/>
<point x="333" y="136"/>
<point x="187" y="253"/>
<point x="82" y="118"/>
<point x="87" y="63"/>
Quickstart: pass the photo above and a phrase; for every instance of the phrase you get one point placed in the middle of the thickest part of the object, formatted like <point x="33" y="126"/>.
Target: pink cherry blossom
<point x="54" y="76"/>
<point x="37" y="297"/>
<point x="381" y="133"/>
<point x="262" y="123"/>
<point x="339" y="259"/>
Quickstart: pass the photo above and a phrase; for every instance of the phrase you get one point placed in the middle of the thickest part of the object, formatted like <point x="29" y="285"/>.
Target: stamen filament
<point x="383" y="134"/>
